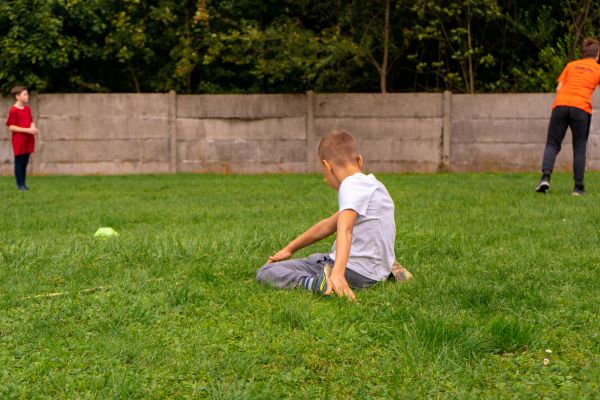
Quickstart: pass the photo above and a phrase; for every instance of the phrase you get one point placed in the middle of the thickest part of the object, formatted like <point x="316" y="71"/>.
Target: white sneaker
<point x="543" y="186"/>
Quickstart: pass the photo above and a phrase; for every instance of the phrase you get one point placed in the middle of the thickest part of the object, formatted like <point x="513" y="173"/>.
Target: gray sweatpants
<point x="286" y="274"/>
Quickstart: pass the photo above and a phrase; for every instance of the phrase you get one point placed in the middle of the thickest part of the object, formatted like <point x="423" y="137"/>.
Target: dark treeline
<point x="290" y="46"/>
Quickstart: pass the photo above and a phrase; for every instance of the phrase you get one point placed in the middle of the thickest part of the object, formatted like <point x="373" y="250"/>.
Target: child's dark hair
<point x="339" y="147"/>
<point x="590" y="48"/>
<point x="16" y="90"/>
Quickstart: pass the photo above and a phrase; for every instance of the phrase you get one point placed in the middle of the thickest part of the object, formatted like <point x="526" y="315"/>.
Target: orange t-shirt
<point x="579" y="79"/>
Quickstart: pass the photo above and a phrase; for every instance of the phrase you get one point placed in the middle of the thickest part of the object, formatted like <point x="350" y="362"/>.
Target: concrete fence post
<point x="37" y="155"/>
<point x="172" y="117"/>
<point x="446" y="130"/>
<point x="311" y="141"/>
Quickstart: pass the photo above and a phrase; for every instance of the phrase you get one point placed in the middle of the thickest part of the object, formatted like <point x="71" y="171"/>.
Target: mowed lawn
<point x="504" y="279"/>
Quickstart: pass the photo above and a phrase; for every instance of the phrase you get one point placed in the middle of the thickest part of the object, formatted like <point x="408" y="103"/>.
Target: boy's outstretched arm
<point x="32" y="130"/>
<point x="343" y="241"/>
<point x="318" y="231"/>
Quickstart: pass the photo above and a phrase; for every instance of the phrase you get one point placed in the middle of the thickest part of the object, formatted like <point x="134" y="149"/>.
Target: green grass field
<point x="501" y="275"/>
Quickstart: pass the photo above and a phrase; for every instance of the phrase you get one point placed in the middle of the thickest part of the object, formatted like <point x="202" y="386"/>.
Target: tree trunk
<point x="471" y="83"/>
<point x="386" y="48"/>
<point x="578" y="24"/>
<point x="134" y="77"/>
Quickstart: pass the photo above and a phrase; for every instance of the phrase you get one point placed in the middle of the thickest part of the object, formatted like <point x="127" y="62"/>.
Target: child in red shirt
<point x="20" y="123"/>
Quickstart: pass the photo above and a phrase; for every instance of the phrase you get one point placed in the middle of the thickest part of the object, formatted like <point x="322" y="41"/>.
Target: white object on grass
<point x="106" y="232"/>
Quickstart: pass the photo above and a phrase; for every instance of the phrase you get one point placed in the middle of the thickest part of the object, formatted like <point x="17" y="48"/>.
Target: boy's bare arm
<point x="343" y="241"/>
<point x="318" y="231"/>
<point x="32" y="130"/>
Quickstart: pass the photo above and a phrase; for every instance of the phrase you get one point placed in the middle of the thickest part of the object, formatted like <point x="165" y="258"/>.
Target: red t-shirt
<point x="23" y="143"/>
<point x="579" y="79"/>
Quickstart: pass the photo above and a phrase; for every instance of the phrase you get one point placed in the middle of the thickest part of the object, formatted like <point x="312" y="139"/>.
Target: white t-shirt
<point x="374" y="233"/>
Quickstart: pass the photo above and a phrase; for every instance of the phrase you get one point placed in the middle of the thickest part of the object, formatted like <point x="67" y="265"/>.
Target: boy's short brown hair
<point x="16" y="90"/>
<point x="590" y="48"/>
<point x="338" y="147"/>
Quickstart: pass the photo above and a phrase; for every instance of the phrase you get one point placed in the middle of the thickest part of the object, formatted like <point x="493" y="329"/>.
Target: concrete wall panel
<point x="191" y="129"/>
<point x="59" y="105"/>
<point x="511" y="105"/>
<point x="57" y="128"/>
<point x="253" y="106"/>
<point x="594" y="146"/>
<point x="6" y="169"/>
<point x="243" y="151"/>
<point x="392" y="150"/>
<point x="355" y="105"/>
<point x="499" y="131"/>
<point x="479" y="157"/>
<point x="97" y="105"/>
<point x="6" y="153"/>
<point x="123" y="105"/>
<point x="73" y="127"/>
<point x="404" y="166"/>
<point x="136" y="133"/>
<point x="102" y="168"/>
<point x="5" y="103"/>
<point x="242" y="168"/>
<point x="147" y="128"/>
<point x="115" y="151"/>
<point x="260" y="129"/>
<point x="404" y="128"/>
<point x="375" y="150"/>
<point x="421" y="151"/>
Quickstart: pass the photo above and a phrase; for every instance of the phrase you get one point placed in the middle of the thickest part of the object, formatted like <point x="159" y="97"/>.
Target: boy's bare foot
<point x="400" y="273"/>
<point x="327" y="270"/>
<point x="320" y="283"/>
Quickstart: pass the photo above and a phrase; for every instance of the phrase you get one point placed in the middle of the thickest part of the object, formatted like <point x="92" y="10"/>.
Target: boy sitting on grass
<point x="363" y="253"/>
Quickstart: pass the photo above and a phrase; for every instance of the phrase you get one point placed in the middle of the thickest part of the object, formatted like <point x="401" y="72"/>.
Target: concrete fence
<point x="413" y="132"/>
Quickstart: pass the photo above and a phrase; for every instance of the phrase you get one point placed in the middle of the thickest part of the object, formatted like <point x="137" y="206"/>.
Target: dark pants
<point x="579" y="121"/>
<point x="21" y="168"/>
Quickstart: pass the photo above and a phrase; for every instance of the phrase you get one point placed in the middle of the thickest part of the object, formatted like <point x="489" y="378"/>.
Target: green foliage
<point x="459" y="28"/>
<point x="32" y="43"/>
<point x="542" y="73"/>
<point x="250" y="46"/>
<point x="501" y="275"/>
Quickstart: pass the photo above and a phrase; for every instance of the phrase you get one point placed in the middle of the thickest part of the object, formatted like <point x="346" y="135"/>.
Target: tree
<point x="579" y="16"/>
<point x="274" y="49"/>
<point x="32" y="46"/>
<point x="460" y="29"/>
<point x="370" y="26"/>
<point x="263" y="46"/>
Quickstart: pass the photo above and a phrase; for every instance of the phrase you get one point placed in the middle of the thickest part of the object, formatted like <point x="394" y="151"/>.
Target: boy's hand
<point x="340" y="286"/>
<point x="281" y="255"/>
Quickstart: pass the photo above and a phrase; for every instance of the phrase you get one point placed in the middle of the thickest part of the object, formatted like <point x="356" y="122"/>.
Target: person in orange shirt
<point x="572" y="108"/>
